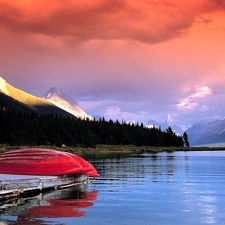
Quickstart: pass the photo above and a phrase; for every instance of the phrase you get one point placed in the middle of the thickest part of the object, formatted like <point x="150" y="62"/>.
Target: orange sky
<point x="123" y="59"/>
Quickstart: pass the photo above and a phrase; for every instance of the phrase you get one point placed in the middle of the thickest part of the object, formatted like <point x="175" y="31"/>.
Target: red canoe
<point x="88" y="168"/>
<point x="45" y="162"/>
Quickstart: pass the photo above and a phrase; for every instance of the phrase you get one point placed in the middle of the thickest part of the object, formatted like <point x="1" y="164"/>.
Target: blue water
<point x="165" y="188"/>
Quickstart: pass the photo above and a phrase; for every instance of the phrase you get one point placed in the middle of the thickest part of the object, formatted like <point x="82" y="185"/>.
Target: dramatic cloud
<point x="77" y="21"/>
<point x="137" y="60"/>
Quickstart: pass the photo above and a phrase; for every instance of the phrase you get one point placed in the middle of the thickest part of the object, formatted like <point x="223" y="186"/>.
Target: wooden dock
<point x="16" y="185"/>
<point x="32" y="208"/>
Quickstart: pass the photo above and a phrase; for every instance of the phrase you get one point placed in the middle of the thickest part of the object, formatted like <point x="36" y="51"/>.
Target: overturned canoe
<point x="45" y="162"/>
<point x="88" y="168"/>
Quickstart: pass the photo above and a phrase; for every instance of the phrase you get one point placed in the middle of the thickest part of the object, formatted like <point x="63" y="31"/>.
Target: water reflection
<point x="183" y="186"/>
<point x="66" y="203"/>
<point x="167" y="188"/>
<point x="111" y="168"/>
<point x="161" y="166"/>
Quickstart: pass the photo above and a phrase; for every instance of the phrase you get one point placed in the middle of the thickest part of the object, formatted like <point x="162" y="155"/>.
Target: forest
<point x="22" y="128"/>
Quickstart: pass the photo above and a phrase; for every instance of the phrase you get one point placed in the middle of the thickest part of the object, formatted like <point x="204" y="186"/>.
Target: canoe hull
<point x="44" y="162"/>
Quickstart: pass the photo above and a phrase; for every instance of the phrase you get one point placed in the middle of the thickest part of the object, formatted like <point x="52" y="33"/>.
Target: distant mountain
<point x="209" y="133"/>
<point x="63" y="101"/>
<point x="164" y="125"/>
<point x="14" y="98"/>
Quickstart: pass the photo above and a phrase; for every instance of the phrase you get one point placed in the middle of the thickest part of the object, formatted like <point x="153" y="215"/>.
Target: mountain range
<point x="164" y="125"/>
<point x="57" y="102"/>
<point x="204" y="134"/>
<point x="210" y="133"/>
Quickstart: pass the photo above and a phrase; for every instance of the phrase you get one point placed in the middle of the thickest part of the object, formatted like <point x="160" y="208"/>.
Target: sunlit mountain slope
<point x="8" y="102"/>
<point x="36" y="104"/>
<point x="66" y="103"/>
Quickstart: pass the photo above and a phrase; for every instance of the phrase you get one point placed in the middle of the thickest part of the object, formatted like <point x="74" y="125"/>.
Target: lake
<point x="164" y="188"/>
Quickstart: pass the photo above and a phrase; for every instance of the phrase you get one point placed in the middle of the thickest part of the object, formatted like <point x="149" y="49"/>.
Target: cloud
<point x="202" y="92"/>
<point x="78" y="21"/>
<point x="136" y="59"/>
<point x="191" y="101"/>
<point x="204" y="108"/>
<point x="169" y="118"/>
<point x="116" y="113"/>
<point x="116" y="109"/>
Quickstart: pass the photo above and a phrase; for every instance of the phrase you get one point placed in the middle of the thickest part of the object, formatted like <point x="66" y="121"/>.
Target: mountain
<point x="63" y="101"/>
<point x="198" y="134"/>
<point x="10" y="103"/>
<point x="151" y="123"/>
<point x="164" y="125"/>
<point x="14" y="98"/>
<point x="209" y="133"/>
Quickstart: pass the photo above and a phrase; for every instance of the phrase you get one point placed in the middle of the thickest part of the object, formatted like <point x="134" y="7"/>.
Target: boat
<point x="37" y="169"/>
<point x="88" y="168"/>
<point x="44" y="162"/>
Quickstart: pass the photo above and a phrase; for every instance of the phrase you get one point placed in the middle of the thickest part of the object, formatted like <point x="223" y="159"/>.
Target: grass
<point x="105" y="149"/>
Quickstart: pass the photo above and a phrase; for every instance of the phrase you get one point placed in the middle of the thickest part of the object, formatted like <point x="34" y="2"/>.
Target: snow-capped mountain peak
<point x="52" y="91"/>
<point x="63" y="101"/>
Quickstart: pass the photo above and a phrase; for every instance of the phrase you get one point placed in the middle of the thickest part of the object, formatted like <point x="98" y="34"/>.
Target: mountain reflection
<point x="66" y="203"/>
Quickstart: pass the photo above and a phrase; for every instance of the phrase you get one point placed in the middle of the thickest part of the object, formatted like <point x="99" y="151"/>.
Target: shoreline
<point x="107" y="149"/>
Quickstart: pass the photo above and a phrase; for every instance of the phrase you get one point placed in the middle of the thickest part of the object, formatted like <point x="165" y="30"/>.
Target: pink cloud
<point x="191" y="101"/>
<point x="144" y="21"/>
<point x="149" y="52"/>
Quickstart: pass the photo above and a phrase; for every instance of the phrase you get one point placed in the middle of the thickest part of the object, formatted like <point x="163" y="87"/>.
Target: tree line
<point x="21" y="128"/>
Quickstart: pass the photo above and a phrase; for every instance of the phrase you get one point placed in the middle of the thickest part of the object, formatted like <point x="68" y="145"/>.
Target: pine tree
<point x="185" y="138"/>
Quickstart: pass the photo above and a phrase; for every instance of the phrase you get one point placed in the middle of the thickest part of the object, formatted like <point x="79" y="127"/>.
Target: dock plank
<point x="14" y="185"/>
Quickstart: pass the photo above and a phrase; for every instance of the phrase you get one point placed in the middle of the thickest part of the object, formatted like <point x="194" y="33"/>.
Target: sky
<point x="121" y="59"/>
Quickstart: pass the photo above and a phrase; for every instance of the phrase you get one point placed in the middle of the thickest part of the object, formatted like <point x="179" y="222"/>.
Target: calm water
<point x="166" y="188"/>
